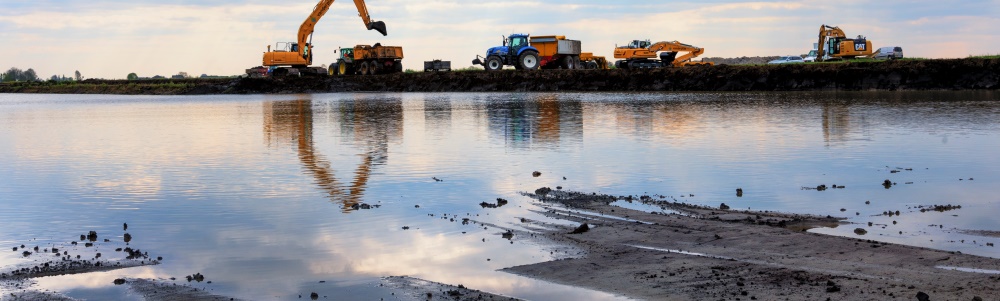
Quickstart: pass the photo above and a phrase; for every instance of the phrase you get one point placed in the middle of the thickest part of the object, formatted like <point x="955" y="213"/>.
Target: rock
<point x="887" y="184"/>
<point x="860" y="231"/>
<point x="977" y="298"/>
<point x="128" y="237"/>
<point x="92" y="236"/>
<point x="739" y="192"/>
<point x="124" y="226"/>
<point x="536" y="174"/>
<point x="723" y="207"/>
<point x="543" y="191"/>
<point x="119" y="281"/>
<point x="832" y="289"/>
<point x="314" y="296"/>
<point x="922" y="296"/>
<point x="582" y="228"/>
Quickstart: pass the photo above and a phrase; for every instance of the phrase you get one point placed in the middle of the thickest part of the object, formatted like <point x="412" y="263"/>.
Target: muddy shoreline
<point x="694" y="253"/>
<point x="938" y="74"/>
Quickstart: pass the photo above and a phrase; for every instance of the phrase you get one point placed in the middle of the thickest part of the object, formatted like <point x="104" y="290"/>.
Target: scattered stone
<point x="887" y="184"/>
<point x="723" y="207"/>
<point x="124" y="226"/>
<point x="739" y="192"/>
<point x="406" y="227"/>
<point x="860" y="231"/>
<point x="128" y="237"/>
<point x="922" y="296"/>
<point x="536" y="174"/>
<point x="92" y="236"/>
<point x="582" y="228"/>
<point x="119" y="281"/>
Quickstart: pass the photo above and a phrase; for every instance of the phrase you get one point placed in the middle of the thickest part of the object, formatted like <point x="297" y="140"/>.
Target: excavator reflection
<point x="370" y="126"/>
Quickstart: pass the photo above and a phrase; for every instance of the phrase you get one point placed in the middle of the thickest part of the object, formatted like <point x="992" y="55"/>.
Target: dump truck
<point x="590" y="61"/>
<point x="547" y="52"/>
<point x="640" y="54"/>
<point x="368" y="60"/>
<point x="294" y="58"/>
<point x="834" y="44"/>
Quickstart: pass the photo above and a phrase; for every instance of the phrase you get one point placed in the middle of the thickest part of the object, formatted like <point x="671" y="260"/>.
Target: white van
<point x="888" y="53"/>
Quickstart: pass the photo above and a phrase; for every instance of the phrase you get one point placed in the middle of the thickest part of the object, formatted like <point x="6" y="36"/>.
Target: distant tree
<point x="132" y="76"/>
<point x="78" y="76"/>
<point x="183" y="74"/>
<point x="12" y="74"/>
<point x="30" y="75"/>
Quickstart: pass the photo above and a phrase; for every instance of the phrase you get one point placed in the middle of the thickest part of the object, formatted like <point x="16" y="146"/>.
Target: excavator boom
<point x="300" y="54"/>
<point x="638" y="54"/>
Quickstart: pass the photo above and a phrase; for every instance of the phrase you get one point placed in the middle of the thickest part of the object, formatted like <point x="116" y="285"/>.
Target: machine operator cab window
<point x="518" y="42"/>
<point x="637" y="44"/>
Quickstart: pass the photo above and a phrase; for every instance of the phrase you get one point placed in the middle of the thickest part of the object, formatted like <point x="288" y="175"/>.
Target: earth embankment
<point x="942" y="74"/>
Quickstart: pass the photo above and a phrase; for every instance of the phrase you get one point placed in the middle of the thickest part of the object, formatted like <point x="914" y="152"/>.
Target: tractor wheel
<point x="493" y="63"/>
<point x="342" y="69"/>
<point x="332" y="70"/>
<point x="591" y="65"/>
<point x="364" y="68"/>
<point x="528" y="60"/>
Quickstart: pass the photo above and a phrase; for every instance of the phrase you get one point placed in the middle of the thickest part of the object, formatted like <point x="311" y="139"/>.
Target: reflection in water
<point x="369" y="121"/>
<point x="542" y="119"/>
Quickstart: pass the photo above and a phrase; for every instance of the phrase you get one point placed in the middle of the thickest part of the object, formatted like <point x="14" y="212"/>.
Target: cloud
<point x="112" y="38"/>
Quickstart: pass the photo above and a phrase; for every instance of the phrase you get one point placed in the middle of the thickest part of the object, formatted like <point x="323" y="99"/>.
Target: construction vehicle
<point x="294" y="58"/>
<point x="590" y="61"/>
<point x="548" y="52"/>
<point x="834" y="44"/>
<point x="368" y="60"/>
<point x="437" y="65"/>
<point x="641" y="54"/>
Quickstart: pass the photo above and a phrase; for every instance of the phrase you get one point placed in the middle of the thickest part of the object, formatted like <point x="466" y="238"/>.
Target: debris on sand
<point x="582" y="228"/>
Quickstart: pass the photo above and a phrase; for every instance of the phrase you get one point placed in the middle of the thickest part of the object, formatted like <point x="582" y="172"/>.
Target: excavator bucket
<point x="377" y="26"/>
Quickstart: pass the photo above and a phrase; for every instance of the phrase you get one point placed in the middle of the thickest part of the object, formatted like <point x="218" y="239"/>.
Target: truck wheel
<point x="364" y="68"/>
<point x="576" y="61"/>
<point x="591" y="65"/>
<point x="373" y="68"/>
<point x="528" y="60"/>
<point x="568" y="63"/>
<point x="493" y="63"/>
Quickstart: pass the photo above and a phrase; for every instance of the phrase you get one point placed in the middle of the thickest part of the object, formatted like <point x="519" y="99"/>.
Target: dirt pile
<point x="950" y="74"/>
<point x="746" y="60"/>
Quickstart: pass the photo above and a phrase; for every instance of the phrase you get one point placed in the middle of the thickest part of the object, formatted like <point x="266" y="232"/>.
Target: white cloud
<point x="109" y="40"/>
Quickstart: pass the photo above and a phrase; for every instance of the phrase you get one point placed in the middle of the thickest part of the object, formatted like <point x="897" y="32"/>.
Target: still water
<point x="257" y="192"/>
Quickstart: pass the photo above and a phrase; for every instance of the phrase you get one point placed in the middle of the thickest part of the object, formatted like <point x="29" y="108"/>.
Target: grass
<point x="985" y="56"/>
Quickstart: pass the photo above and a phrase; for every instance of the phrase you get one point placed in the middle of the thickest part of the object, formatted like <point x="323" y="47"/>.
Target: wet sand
<point x="712" y="254"/>
<point x="699" y="253"/>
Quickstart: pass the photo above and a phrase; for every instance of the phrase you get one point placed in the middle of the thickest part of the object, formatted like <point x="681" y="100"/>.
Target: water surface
<point x="258" y="192"/>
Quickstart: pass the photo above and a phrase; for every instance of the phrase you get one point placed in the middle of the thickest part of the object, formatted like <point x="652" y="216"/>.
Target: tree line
<point x="15" y="74"/>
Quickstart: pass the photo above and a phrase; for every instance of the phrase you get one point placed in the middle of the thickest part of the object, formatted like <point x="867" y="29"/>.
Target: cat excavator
<point x="641" y="54"/>
<point x="834" y="44"/>
<point x="294" y="58"/>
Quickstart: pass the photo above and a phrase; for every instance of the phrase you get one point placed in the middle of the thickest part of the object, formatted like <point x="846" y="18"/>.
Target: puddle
<point x="970" y="270"/>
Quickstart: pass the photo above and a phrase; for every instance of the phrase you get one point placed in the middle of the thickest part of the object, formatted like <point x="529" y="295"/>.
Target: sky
<point x="112" y="38"/>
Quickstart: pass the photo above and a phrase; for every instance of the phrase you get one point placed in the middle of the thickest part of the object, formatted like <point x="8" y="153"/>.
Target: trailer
<point x="547" y="52"/>
<point x="590" y="61"/>
<point x="437" y="65"/>
<point x="367" y="60"/>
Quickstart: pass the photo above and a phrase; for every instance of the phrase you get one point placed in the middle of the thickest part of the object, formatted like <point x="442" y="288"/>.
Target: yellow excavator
<point x="294" y="58"/>
<point x="641" y="54"/>
<point x="834" y="44"/>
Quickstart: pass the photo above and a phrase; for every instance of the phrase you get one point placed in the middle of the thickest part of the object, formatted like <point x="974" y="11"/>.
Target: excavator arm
<point x="826" y="31"/>
<point x="675" y="46"/>
<point x="307" y="27"/>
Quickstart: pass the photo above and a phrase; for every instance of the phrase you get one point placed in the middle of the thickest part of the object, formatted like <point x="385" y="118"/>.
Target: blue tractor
<point x="515" y="52"/>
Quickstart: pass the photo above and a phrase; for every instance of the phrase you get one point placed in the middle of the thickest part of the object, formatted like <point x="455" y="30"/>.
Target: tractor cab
<point x="347" y="54"/>
<point x="516" y="42"/>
